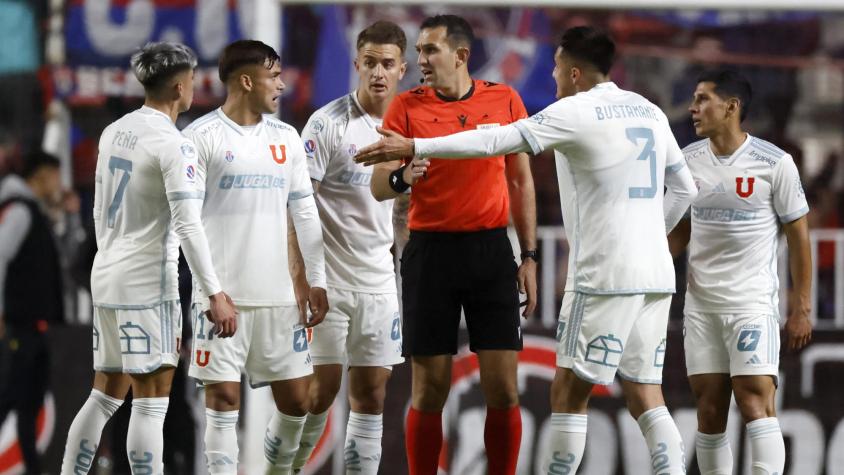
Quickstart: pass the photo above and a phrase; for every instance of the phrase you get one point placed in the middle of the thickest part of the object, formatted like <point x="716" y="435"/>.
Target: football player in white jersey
<point x="362" y="329"/>
<point x="145" y="203"/>
<point x="749" y="191"/>
<point x="253" y="171"/>
<point x="615" y="153"/>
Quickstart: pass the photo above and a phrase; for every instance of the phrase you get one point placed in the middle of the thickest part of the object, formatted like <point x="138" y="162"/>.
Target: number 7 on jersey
<point x="114" y="164"/>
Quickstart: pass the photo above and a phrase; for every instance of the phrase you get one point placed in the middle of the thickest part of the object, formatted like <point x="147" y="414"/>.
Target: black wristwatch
<point x="530" y="254"/>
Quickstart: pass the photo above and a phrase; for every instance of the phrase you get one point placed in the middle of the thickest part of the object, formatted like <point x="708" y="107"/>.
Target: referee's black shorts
<point x="443" y="272"/>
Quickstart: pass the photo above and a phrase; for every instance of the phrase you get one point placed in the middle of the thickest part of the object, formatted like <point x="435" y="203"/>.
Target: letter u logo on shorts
<point x="740" y="186"/>
<point x="202" y="358"/>
<point x="275" y="153"/>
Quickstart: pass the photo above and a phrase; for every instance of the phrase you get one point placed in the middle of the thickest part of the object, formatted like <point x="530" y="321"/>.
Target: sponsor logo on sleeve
<point x="317" y="125"/>
<point x="190" y="171"/>
<point x="187" y="150"/>
<point x="229" y="156"/>
<point x="310" y="148"/>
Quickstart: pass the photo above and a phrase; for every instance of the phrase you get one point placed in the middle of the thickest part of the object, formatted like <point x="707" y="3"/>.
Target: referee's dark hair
<point x="457" y="29"/>
<point x="245" y="53"/>
<point x="35" y="161"/>
<point x="730" y="84"/>
<point x="589" y="45"/>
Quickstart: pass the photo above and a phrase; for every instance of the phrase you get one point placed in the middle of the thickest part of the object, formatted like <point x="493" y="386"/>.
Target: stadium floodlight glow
<point x="819" y="5"/>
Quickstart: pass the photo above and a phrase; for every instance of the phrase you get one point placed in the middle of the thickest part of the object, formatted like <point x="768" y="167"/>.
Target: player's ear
<point x="402" y="70"/>
<point x="733" y="107"/>
<point x="357" y="65"/>
<point x="245" y="81"/>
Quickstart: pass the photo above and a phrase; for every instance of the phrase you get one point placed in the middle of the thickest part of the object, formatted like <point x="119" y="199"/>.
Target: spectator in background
<point x="20" y="57"/>
<point x="8" y="152"/>
<point x="30" y="293"/>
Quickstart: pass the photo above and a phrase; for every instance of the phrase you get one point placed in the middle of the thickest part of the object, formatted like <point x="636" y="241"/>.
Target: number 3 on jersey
<point x="634" y="134"/>
<point x="114" y="164"/>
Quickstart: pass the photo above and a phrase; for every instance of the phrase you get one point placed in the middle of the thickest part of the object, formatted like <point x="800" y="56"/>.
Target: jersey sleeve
<point x="178" y="162"/>
<point x="319" y="138"/>
<point x="396" y="117"/>
<point x="300" y="181"/>
<point x="553" y="126"/>
<point x="203" y="152"/>
<point x="789" y="198"/>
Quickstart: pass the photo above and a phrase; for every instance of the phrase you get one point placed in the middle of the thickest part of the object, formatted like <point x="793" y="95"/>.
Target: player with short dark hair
<point x="145" y="204"/>
<point x="363" y="327"/>
<point x="251" y="168"/>
<point x="459" y="257"/>
<point x="750" y="193"/>
<point x="615" y="156"/>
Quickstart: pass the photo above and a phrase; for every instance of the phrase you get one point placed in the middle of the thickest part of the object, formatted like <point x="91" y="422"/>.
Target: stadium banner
<point x="808" y="406"/>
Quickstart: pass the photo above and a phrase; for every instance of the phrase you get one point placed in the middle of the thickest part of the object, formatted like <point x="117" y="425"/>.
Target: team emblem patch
<point x="353" y="149"/>
<point x="190" y="172"/>
<point x="740" y="188"/>
<point x="229" y="156"/>
<point x="187" y="150"/>
<point x="317" y="125"/>
<point x="279" y="154"/>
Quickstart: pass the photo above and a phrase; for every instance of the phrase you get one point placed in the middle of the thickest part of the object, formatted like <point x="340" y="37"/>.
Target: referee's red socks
<point x="423" y="441"/>
<point x="502" y="438"/>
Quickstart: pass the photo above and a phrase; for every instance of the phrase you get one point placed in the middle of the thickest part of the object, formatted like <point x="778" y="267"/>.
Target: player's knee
<point x="322" y="397"/>
<point x="711" y="418"/>
<point x="222" y="397"/>
<point x="753" y="406"/>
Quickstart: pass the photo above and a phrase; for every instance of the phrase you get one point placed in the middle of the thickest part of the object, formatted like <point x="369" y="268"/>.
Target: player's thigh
<point x="431" y="315"/>
<point x="754" y="345"/>
<point x="593" y="332"/>
<point x="375" y="334"/>
<point x="754" y="396"/>
<point x="149" y="338"/>
<point x="644" y="350"/>
<point x="704" y="344"/>
<point x="491" y="301"/>
<point x="329" y="338"/>
<point x="214" y="359"/>
<point x="106" y="341"/>
<point x="368" y="388"/>
<point x="279" y="346"/>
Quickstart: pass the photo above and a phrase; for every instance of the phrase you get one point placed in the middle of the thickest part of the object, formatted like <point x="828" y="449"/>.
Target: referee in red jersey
<point x="459" y="256"/>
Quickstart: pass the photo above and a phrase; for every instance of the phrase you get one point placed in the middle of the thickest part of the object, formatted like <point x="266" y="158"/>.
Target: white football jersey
<point x="248" y="175"/>
<point x="357" y="229"/>
<point x="143" y="161"/>
<point x="612" y="149"/>
<point x="742" y="200"/>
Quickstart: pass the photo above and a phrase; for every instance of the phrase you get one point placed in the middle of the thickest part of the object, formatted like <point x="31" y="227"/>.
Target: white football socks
<point x="84" y="435"/>
<point x="145" y="441"/>
<point x="567" y="443"/>
<point x="281" y="442"/>
<point x="767" y="448"/>
<point x="362" y="452"/>
<point x="221" y="442"/>
<point x="311" y="432"/>
<point x="664" y="442"/>
<point x="714" y="456"/>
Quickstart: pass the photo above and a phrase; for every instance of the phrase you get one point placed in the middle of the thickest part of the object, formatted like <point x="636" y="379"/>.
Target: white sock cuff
<point x="318" y="418"/>
<point x="155" y="407"/>
<point x="574" y="423"/>
<point x="221" y="419"/>
<point x="286" y="418"/>
<point x="711" y="441"/>
<point x="109" y="405"/>
<point x="370" y="426"/>
<point x="763" y="427"/>
<point x="652" y="417"/>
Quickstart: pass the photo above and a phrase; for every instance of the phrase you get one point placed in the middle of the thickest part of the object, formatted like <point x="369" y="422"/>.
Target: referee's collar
<point x="451" y="99"/>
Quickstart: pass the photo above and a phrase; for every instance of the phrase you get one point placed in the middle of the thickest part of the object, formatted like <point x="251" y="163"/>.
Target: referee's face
<point x="438" y="61"/>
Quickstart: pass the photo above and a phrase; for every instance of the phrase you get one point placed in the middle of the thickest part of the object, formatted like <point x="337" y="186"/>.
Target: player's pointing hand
<point x="392" y="147"/>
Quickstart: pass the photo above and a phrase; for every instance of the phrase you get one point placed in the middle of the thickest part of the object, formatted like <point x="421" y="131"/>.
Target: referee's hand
<point x="392" y="147"/>
<point x="527" y="285"/>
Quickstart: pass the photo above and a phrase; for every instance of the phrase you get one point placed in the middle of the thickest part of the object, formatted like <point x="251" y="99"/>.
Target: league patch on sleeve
<point x="310" y="148"/>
